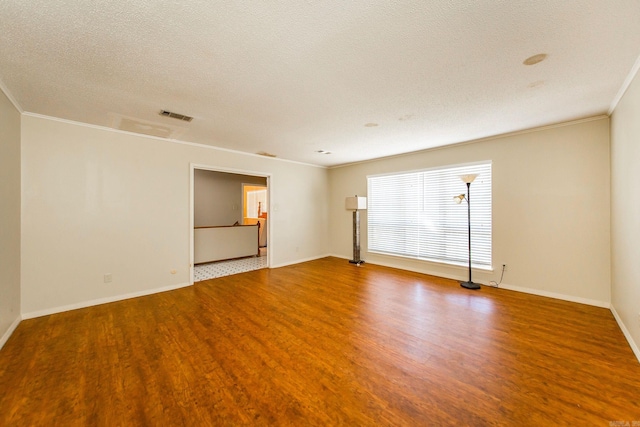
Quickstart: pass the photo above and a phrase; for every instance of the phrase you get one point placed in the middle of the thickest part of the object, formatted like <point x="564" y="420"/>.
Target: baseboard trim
<point x="99" y="301"/>
<point x="627" y="334"/>
<point x="9" y="332"/>
<point x="415" y="270"/>
<point x="563" y="297"/>
<point x="300" y="261"/>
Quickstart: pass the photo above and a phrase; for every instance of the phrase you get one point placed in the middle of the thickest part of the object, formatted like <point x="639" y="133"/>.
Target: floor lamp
<point x="468" y="179"/>
<point x="356" y="204"/>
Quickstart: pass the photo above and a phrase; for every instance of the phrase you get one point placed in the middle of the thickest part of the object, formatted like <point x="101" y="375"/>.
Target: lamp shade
<point x="355" y="203"/>
<point x="468" y="178"/>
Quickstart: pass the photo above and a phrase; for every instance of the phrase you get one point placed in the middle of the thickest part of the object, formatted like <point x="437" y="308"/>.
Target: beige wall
<point x="625" y="213"/>
<point x="218" y="197"/>
<point x="97" y="201"/>
<point x="551" y="222"/>
<point x="9" y="217"/>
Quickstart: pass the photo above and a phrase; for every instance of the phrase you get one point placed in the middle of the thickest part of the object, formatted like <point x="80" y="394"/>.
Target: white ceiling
<point x="293" y="77"/>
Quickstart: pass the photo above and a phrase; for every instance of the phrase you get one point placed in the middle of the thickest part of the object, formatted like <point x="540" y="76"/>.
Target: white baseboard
<point x="570" y="298"/>
<point x="7" y="334"/>
<point x="298" y="261"/>
<point x="99" y="301"/>
<point x="627" y="334"/>
<point x="414" y="270"/>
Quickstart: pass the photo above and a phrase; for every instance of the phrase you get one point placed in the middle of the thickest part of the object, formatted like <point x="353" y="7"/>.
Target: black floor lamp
<point x="356" y="204"/>
<point x="468" y="179"/>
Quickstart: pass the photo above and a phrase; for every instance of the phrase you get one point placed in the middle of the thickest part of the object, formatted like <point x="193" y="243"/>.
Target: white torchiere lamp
<point x="356" y="204"/>
<point x="468" y="179"/>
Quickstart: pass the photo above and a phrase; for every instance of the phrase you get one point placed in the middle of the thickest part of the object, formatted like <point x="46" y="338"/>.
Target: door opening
<point x="228" y="221"/>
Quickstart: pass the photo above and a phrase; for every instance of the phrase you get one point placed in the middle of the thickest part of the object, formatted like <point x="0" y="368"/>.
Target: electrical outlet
<point x="108" y="278"/>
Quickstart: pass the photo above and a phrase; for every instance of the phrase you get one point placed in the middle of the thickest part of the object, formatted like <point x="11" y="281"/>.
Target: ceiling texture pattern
<point x="359" y="79"/>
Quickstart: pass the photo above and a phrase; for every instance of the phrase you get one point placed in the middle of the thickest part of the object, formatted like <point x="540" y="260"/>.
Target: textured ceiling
<point x="294" y="77"/>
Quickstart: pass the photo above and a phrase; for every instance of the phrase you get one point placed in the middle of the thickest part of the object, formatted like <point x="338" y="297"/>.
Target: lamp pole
<point x="356" y="239"/>
<point x="356" y="204"/>
<point x="468" y="179"/>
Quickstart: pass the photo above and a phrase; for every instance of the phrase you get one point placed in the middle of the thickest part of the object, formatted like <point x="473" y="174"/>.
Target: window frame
<point x="424" y="219"/>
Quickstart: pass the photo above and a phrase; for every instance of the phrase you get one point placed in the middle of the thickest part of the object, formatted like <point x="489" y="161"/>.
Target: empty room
<point x="447" y="189"/>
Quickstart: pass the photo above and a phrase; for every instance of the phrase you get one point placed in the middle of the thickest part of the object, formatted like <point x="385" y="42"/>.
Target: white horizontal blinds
<point x="393" y="213"/>
<point x="414" y="215"/>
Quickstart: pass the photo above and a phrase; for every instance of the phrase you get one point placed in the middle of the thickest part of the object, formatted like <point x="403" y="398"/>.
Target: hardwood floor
<point x="322" y="343"/>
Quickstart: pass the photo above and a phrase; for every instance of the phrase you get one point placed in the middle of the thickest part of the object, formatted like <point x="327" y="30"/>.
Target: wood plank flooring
<point x="322" y="343"/>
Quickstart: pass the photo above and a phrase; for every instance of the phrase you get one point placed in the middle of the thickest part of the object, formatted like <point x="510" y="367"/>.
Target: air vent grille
<point x="175" y="116"/>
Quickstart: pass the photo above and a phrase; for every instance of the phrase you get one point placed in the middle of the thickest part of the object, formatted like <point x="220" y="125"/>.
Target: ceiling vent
<point x="175" y="116"/>
<point x="264" y="153"/>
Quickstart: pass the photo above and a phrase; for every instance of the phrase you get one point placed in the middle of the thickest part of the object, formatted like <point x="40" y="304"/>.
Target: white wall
<point x="551" y="222"/>
<point x="625" y="213"/>
<point x="9" y="218"/>
<point x="97" y="201"/>
<point x="218" y="197"/>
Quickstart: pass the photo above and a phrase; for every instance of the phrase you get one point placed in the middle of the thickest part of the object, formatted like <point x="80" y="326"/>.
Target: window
<point x="413" y="214"/>
<point x="255" y="201"/>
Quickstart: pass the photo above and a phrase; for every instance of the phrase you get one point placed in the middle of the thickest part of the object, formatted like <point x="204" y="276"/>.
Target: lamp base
<point x="470" y="285"/>
<point x="353" y="261"/>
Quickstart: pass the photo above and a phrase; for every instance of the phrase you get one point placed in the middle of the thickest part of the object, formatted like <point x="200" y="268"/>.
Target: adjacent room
<point x="230" y="230"/>
<point x="437" y="199"/>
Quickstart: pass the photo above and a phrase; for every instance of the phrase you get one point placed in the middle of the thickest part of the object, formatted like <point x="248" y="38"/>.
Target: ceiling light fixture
<point x="533" y="60"/>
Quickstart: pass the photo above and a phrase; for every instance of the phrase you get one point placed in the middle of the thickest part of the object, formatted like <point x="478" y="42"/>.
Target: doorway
<point x="225" y="200"/>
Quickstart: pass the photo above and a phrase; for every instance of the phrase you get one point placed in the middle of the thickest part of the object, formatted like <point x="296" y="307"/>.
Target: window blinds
<point x="413" y="214"/>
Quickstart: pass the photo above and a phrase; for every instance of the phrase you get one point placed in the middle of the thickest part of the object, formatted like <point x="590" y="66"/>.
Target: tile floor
<point x="226" y="268"/>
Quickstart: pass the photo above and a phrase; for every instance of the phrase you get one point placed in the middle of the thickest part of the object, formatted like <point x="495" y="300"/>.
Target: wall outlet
<point x="108" y="278"/>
